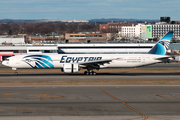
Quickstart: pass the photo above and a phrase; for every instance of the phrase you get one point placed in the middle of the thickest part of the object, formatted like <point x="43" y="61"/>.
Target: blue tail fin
<point x="163" y="44"/>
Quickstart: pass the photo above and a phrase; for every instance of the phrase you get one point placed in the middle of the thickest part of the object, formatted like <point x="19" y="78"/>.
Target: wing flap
<point x="164" y="58"/>
<point x="98" y="62"/>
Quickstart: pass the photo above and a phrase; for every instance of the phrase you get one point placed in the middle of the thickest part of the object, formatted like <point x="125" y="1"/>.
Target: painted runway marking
<point x="145" y="117"/>
<point x="176" y="95"/>
<point x="38" y="111"/>
<point x="43" y="96"/>
<point x="13" y="99"/>
<point x="11" y="93"/>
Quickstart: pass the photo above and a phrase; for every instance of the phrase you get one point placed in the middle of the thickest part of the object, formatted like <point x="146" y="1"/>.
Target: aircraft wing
<point x="95" y="64"/>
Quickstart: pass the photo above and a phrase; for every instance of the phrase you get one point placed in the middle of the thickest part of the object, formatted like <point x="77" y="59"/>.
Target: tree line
<point x="13" y="28"/>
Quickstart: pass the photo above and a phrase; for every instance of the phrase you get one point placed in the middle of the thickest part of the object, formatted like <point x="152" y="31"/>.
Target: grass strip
<point x="93" y="82"/>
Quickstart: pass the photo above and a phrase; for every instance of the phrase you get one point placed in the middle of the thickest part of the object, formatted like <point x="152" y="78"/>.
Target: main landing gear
<point x="90" y="73"/>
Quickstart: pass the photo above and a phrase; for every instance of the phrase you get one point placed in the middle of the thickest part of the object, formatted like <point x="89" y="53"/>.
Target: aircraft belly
<point x="57" y="64"/>
<point x="124" y="64"/>
<point x="121" y="64"/>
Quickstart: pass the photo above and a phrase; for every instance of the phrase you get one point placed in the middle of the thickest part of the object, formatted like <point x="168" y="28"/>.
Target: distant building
<point x="165" y="19"/>
<point x="40" y="40"/>
<point x="158" y="30"/>
<point x="146" y="31"/>
<point x="131" y="31"/>
<point x="11" y="41"/>
<point x="161" y="28"/>
<point x="113" y="27"/>
<point x="84" y="37"/>
<point x="174" y="22"/>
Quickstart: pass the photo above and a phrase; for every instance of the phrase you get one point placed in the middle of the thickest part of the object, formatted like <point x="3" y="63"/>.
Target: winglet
<point x="163" y="44"/>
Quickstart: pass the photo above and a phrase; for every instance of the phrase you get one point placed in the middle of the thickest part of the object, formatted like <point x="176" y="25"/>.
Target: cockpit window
<point x="6" y="60"/>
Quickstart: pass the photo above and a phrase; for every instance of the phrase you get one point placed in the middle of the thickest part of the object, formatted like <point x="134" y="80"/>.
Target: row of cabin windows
<point x="104" y="47"/>
<point x="14" y="51"/>
<point x="44" y="51"/>
<point x="103" y="52"/>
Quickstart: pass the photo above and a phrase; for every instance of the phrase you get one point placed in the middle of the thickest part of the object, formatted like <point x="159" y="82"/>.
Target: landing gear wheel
<point x="88" y="73"/>
<point x="15" y="73"/>
<point x="85" y="72"/>
<point x="93" y="73"/>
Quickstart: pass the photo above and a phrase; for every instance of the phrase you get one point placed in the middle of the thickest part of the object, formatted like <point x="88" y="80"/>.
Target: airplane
<point x="72" y="63"/>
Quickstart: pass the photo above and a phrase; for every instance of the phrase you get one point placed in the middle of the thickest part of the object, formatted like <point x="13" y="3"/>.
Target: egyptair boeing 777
<point x="72" y="63"/>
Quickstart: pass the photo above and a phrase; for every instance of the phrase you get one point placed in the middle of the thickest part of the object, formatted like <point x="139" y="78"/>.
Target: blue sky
<point x="88" y="9"/>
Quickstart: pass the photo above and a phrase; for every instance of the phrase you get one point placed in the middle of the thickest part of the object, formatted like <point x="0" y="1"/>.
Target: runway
<point x="102" y="78"/>
<point x="82" y="77"/>
<point x="127" y="102"/>
<point x="52" y="98"/>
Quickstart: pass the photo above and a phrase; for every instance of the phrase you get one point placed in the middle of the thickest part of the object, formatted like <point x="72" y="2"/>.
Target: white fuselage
<point x="57" y="61"/>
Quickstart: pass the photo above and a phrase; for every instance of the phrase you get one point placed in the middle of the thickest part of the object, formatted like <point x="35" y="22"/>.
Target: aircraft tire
<point x="93" y="73"/>
<point x="89" y="73"/>
<point x="15" y="73"/>
<point x="85" y="72"/>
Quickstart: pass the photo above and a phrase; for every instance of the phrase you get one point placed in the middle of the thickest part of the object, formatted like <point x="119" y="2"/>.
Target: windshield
<point x="6" y="60"/>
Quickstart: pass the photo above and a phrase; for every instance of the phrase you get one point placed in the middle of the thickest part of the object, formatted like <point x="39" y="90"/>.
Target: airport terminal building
<point x="92" y="48"/>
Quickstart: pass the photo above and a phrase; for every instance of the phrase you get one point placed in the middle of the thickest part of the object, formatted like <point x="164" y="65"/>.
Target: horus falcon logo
<point x="165" y="43"/>
<point x="38" y="61"/>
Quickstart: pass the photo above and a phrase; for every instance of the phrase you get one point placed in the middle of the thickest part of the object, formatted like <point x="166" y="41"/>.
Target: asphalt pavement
<point x="128" y="102"/>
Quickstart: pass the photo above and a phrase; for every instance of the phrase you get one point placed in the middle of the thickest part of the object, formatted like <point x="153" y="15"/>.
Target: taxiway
<point x="137" y="102"/>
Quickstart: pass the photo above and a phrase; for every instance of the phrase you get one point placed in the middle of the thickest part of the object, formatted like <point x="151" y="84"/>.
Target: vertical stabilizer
<point x="163" y="44"/>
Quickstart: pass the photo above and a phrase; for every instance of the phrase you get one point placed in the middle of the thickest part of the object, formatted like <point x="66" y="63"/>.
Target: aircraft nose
<point x="3" y="62"/>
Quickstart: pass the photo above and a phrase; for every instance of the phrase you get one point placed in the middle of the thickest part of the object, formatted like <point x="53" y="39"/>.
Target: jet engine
<point x="70" y="68"/>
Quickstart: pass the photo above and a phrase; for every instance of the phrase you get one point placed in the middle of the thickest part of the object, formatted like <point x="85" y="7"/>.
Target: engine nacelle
<point x="70" y="68"/>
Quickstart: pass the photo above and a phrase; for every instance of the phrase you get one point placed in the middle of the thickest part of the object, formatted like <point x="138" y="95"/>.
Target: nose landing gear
<point x="15" y="73"/>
